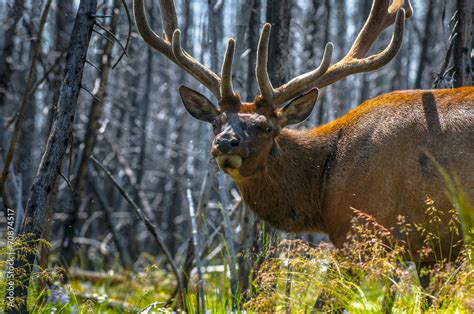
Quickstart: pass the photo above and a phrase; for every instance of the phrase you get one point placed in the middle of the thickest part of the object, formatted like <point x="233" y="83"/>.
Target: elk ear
<point x="298" y="109"/>
<point x="197" y="104"/>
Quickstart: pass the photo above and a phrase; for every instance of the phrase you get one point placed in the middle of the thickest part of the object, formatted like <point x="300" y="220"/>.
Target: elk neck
<point x="289" y="191"/>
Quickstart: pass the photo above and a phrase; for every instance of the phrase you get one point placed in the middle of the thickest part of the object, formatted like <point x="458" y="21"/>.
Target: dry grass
<point x="370" y="274"/>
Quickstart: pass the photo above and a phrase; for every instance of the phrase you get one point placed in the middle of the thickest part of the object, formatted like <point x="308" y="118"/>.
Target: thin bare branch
<point x="89" y="92"/>
<point x="101" y="16"/>
<point x="129" y="34"/>
<point x="35" y="87"/>
<point x="68" y="182"/>
<point x="92" y="65"/>
<point x="113" y="36"/>
<point x="149" y="225"/>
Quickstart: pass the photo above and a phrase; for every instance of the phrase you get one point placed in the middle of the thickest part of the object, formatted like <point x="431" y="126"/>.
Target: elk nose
<point x="234" y="142"/>
<point x="225" y="145"/>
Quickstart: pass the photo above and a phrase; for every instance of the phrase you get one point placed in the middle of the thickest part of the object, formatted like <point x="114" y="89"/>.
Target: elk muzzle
<point x="229" y="161"/>
<point x="224" y="149"/>
<point x="225" y="145"/>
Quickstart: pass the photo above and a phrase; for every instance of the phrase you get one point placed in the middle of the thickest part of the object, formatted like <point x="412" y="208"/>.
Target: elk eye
<point x="267" y="129"/>
<point x="214" y="124"/>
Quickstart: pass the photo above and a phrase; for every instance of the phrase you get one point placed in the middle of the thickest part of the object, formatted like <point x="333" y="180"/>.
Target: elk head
<point x="245" y="133"/>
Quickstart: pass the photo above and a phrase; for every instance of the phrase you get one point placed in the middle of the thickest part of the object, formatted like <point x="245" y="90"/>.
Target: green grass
<point x="368" y="276"/>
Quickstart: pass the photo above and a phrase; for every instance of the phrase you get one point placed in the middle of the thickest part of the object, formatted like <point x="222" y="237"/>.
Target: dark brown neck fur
<point x="288" y="193"/>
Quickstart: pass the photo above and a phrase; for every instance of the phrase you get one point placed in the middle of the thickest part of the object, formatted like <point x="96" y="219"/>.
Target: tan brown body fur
<point x="372" y="159"/>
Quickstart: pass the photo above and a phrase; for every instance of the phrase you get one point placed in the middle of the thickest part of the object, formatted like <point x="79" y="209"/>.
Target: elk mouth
<point x="229" y="161"/>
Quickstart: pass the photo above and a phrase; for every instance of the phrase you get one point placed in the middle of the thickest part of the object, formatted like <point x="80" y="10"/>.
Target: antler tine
<point x="350" y="65"/>
<point x="147" y="33"/>
<point x="398" y="4"/>
<point x="199" y="71"/>
<point x="294" y="87"/>
<point x="261" y="69"/>
<point x="302" y="83"/>
<point x="376" y="61"/>
<point x="170" y="45"/>
<point x="227" y="89"/>
<point x="380" y="17"/>
<point x="168" y="18"/>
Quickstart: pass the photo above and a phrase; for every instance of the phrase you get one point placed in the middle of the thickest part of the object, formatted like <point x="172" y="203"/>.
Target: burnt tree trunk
<point x="61" y="34"/>
<point x="25" y="98"/>
<point x="215" y="28"/>
<point x="365" y="82"/>
<point x="327" y="34"/>
<point x="90" y="138"/>
<point x="252" y="40"/>
<point x="244" y="15"/>
<point x="341" y="102"/>
<point x="34" y="222"/>
<point x="13" y="17"/>
<point x="423" y="59"/>
<point x="61" y="37"/>
<point x="144" y="119"/>
<point x="311" y="39"/>
<point x="278" y="14"/>
<point x="462" y="75"/>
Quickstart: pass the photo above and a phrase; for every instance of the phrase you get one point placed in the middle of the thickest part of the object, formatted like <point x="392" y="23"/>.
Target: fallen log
<point x="95" y="276"/>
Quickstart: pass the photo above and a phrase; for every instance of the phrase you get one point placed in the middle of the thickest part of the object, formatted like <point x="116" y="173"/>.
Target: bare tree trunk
<point x="14" y="15"/>
<point x="34" y="222"/>
<point x="244" y="15"/>
<point x="144" y="118"/>
<point x="175" y="194"/>
<point x="313" y="24"/>
<point x="278" y="14"/>
<point x="462" y="45"/>
<point x="365" y="82"/>
<point x="61" y="36"/>
<point x="25" y="99"/>
<point x="25" y="162"/>
<point x="247" y="218"/>
<point x="146" y="108"/>
<point x="425" y="44"/>
<point x="327" y="34"/>
<point x="215" y="31"/>
<point x="252" y="39"/>
<point x="90" y="139"/>
<point x="341" y="102"/>
<point x="62" y="32"/>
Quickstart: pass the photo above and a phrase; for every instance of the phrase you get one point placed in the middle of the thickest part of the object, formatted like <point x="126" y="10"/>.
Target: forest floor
<point x="369" y="275"/>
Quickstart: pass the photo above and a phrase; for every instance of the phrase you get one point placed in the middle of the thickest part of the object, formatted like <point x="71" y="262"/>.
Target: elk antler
<point x="381" y="16"/>
<point x="170" y="46"/>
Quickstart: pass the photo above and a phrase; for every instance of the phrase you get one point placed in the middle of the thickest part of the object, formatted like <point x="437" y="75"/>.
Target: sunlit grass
<point x="370" y="275"/>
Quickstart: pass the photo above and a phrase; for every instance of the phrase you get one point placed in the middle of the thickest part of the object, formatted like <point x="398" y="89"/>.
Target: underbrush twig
<point x="197" y="248"/>
<point x="149" y="225"/>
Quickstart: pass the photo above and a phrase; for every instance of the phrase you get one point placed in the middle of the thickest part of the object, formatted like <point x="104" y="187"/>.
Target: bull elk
<point x="373" y="159"/>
